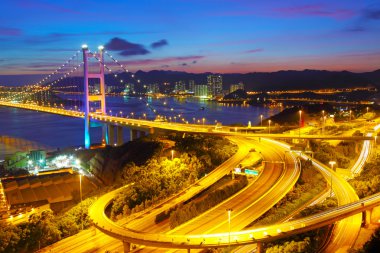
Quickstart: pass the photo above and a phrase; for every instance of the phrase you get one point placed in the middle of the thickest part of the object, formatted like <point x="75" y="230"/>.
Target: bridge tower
<point x="90" y="97"/>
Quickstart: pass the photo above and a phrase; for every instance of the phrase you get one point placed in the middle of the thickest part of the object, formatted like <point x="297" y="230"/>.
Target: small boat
<point x="202" y="108"/>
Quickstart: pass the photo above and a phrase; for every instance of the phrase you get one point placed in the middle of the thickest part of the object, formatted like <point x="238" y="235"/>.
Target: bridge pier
<point x="111" y="135"/>
<point x="133" y="134"/>
<point x="259" y="247"/>
<point x="119" y="135"/>
<point x="368" y="216"/>
<point x="126" y="246"/>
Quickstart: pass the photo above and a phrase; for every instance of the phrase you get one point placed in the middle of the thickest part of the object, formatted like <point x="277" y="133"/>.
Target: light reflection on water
<point x="59" y="131"/>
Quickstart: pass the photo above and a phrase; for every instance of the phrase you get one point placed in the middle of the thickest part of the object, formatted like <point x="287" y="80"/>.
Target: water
<point x="55" y="131"/>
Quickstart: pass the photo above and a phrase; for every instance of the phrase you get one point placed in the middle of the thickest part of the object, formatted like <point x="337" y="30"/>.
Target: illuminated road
<point x="170" y="126"/>
<point x="249" y="204"/>
<point x="262" y="234"/>
<point x="150" y="214"/>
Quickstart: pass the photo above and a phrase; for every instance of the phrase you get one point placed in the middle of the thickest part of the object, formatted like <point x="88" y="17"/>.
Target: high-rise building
<point x="214" y="85"/>
<point x="153" y="88"/>
<point x="200" y="90"/>
<point x="191" y="86"/>
<point x="239" y="86"/>
<point x="179" y="87"/>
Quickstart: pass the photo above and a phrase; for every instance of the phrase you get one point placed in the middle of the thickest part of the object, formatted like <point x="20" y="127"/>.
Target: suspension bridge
<point x="84" y="76"/>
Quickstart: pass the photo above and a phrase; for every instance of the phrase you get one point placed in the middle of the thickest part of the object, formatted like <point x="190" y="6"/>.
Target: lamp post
<point x="80" y="193"/>
<point x="269" y="121"/>
<point x="261" y="120"/>
<point x="299" y="133"/>
<point x="229" y="210"/>
<point x="203" y="121"/>
<point x="172" y="154"/>
<point x="350" y="115"/>
<point x="332" y="163"/>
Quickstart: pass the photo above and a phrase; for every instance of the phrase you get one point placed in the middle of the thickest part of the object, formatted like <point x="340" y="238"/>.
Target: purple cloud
<point x="252" y="51"/>
<point x="315" y="10"/>
<point x="9" y="31"/>
<point x="184" y="64"/>
<point x="163" y="61"/>
<point x="194" y="62"/>
<point x="159" y="44"/>
<point x="372" y="14"/>
<point x="125" y="47"/>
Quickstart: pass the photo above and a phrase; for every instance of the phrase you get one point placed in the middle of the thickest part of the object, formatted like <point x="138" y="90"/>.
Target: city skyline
<point x="194" y="36"/>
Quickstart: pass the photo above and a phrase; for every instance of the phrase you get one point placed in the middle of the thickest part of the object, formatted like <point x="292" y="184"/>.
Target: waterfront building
<point x="191" y="86"/>
<point x="214" y="85"/>
<point x="234" y="87"/>
<point x="200" y="91"/>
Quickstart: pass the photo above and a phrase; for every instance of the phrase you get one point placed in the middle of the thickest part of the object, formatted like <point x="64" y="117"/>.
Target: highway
<point x="150" y="214"/>
<point x="249" y="204"/>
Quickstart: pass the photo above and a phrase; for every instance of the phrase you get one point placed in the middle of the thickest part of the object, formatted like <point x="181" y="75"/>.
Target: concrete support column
<point x="105" y="137"/>
<point x="111" y="135"/>
<point x="368" y="215"/>
<point x="133" y="134"/>
<point x="259" y="247"/>
<point x="188" y="250"/>
<point x="356" y="147"/>
<point x="127" y="247"/>
<point x="119" y="135"/>
<point x="308" y="144"/>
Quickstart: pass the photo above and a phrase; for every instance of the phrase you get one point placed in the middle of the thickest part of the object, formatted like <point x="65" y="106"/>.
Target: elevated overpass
<point x="192" y="241"/>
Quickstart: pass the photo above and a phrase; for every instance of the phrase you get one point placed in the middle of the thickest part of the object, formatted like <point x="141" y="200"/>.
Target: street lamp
<point x="172" y="154"/>
<point x="80" y="192"/>
<point x="350" y="115"/>
<point x="332" y="163"/>
<point x="299" y="133"/>
<point x="203" y="120"/>
<point x="261" y="120"/>
<point x="269" y="121"/>
<point x="367" y="109"/>
<point x="229" y="210"/>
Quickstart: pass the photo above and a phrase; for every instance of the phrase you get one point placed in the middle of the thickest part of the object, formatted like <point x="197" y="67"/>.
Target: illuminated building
<point x="214" y="85"/>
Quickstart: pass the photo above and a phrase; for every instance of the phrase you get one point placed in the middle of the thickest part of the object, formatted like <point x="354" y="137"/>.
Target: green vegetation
<point x="194" y="208"/>
<point x="343" y="153"/>
<point x="157" y="179"/>
<point x="160" y="177"/>
<point x="368" y="182"/>
<point x="310" y="184"/>
<point x="373" y="245"/>
<point x="43" y="229"/>
<point x="302" y="242"/>
<point x="212" y="151"/>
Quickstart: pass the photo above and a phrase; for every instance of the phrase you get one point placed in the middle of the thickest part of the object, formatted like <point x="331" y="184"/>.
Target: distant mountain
<point x="280" y="80"/>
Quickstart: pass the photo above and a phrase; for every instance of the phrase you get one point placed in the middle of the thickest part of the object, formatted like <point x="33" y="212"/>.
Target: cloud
<point x="252" y="51"/>
<point x="368" y="15"/>
<point x="194" y="62"/>
<point x="125" y="47"/>
<point x="165" y="66"/>
<point x="9" y="31"/>
<point x="163" y="61"/>
<point x="318" y="10"/>
<point x="184" y="64"/>
<point x="372" y="14"/>
<point x="160" y="43"/>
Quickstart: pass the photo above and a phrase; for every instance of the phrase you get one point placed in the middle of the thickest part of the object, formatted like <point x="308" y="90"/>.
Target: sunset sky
<point x="193" y="35"/>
